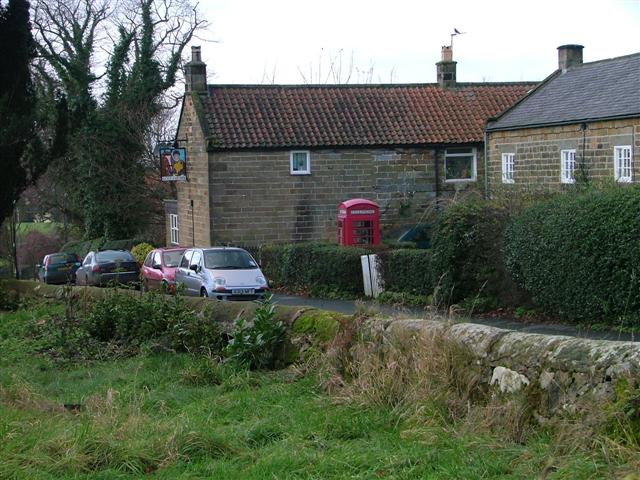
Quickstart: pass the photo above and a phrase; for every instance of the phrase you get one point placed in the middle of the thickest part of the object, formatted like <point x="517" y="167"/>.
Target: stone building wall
<point x="538" y="157"/>
<point x="255" y="199"/>
<point x="193" y="219"/>
<point x="250" y="197"/>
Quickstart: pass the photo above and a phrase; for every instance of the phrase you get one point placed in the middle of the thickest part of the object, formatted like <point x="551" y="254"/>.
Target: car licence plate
<point x="242" y="291"/>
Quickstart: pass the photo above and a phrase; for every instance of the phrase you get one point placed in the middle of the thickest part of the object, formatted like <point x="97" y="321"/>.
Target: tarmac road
<point x="350" y="307"/>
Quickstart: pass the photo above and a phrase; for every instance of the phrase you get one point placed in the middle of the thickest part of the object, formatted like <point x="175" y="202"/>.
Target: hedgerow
<point x="407" y="271"/>
<point x="579" y="255"/>
<point x="467" y="252"/>
<point x="316" y="268"/>
<point x="81" y="248"/>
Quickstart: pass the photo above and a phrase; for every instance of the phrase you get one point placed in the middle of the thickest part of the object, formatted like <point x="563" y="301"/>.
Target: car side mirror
<point x="157" y="266"/>
<point x="194" y="268"/>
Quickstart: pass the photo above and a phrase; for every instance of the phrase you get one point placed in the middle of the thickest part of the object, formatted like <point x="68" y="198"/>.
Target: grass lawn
<point x="153" y="414"/>
<point x="46" y="228"/>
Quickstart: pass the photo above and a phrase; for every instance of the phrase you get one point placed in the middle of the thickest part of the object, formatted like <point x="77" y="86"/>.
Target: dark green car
<point x="58" y="268"/>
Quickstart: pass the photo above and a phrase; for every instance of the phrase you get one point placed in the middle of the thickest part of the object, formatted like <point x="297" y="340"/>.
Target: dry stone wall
<point x="564" y="370"/>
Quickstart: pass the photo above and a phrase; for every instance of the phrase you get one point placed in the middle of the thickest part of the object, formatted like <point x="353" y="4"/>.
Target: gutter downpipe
<point x="486" y="164"/>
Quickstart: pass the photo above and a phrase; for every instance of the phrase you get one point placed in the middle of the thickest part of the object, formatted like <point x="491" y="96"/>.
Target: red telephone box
<point x="358" y="222"/>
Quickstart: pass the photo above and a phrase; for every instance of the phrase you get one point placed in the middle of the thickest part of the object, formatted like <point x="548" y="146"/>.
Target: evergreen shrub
<point x="407" y="271"/>
<point x="140" y="251"/>
<point x="579" y="255"/>
<point x="466" y="256"/>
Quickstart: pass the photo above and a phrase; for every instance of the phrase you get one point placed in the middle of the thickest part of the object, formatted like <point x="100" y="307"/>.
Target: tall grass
<point x="430" y="379"/>
<point x="404" y="407"/>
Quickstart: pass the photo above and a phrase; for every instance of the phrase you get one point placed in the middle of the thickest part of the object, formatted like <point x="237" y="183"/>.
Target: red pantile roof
<point x="259" y="116"/>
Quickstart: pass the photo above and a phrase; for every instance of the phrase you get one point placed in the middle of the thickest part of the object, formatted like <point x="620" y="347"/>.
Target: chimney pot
<point x="196" y="54"/>
<point x="447" y="53"/>
<point x="569" y="56"/>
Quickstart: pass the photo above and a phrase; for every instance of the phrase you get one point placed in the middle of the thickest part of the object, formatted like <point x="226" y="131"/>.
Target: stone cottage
<point x="581" y="123"/>
<point x="270" y="163"/>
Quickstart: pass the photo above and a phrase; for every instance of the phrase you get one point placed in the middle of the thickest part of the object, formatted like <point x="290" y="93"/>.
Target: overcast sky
<point x="296" y="41"/>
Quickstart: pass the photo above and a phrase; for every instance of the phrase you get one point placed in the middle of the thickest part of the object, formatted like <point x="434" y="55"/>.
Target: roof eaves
<point x="564" y="122"/>
<point x="271" y="148"/>
<point x="175" y="139"/>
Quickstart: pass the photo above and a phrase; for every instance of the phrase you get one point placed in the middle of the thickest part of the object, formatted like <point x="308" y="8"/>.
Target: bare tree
<point x="114" y="66"/>
<point x="334" y="68"/>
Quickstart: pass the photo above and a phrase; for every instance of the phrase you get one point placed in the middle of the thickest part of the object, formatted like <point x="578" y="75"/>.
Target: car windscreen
<point x="62" y="258"/>
<point x="114" y="256"/>
<point x="228" y="260"/>
<point x="172" y="259"/>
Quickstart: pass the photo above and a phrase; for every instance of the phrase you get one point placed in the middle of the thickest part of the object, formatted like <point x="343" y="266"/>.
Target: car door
<point x="41" y="268"/>
<point x="194" y="280"/>
<point x="182" y="273"/>
<point x="145" y="270"/>
<point x="81" y="273"/>
<point x="153" y="271"/>
<point x="200" y="273"/>
<point x="157" y="270"/>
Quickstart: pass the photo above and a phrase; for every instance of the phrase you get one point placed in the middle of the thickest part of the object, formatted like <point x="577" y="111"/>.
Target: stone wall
<point x="255" y="199"/>
<point x="193" y="219"/>
<point x="562" y="369"/>
<point x="537" y="153"/>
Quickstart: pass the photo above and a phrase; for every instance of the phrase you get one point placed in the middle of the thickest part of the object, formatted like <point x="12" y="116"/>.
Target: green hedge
<point x="82" y="247"/>
<point x="407" y="271"/>
<point x="467" y="253"/>
<point x="579" y="255"/>
<point x="316" y="268"/>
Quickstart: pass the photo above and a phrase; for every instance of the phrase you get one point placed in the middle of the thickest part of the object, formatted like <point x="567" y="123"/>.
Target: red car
<point x="159" y="269"/>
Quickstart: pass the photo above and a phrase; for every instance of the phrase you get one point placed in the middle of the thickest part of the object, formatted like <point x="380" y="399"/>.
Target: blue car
<point x="58" y="268"/>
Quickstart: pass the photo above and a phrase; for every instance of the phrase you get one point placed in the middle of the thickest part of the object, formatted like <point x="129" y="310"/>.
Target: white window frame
<point x="508" y="167"/>
<point x="174" y="229"/>
<point x="623" y="164"/>
<point x="307" y="171"/>
<point x="473" y="165"/>
<point x="568" y="166"/>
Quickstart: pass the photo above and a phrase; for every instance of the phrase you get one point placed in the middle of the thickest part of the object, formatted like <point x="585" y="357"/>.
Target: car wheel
<point x="203" y="292"/>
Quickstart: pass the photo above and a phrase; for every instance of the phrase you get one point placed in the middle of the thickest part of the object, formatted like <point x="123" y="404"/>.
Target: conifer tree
<point x="22" y="157"/>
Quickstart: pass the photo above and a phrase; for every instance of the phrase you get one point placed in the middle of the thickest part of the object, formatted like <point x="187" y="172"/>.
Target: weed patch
<point x="260" y="345"/>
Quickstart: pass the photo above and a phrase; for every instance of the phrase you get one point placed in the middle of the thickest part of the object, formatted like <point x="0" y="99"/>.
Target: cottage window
<point x="508" y="163"/>
<point x="460" y="164"/>
<point x="622" y="162"/>
<point x="300" y="163"/>
<point x="568" y="166"/>
<point x="173" y="228"/>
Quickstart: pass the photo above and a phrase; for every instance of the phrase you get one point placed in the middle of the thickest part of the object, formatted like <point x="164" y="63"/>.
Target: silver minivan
<point x="223" y="273"/>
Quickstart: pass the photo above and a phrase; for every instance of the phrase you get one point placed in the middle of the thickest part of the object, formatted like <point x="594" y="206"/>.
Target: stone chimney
<point x="195" y="72"/>
<point x="569" y="56"/>
<point x="446" y="68"/>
